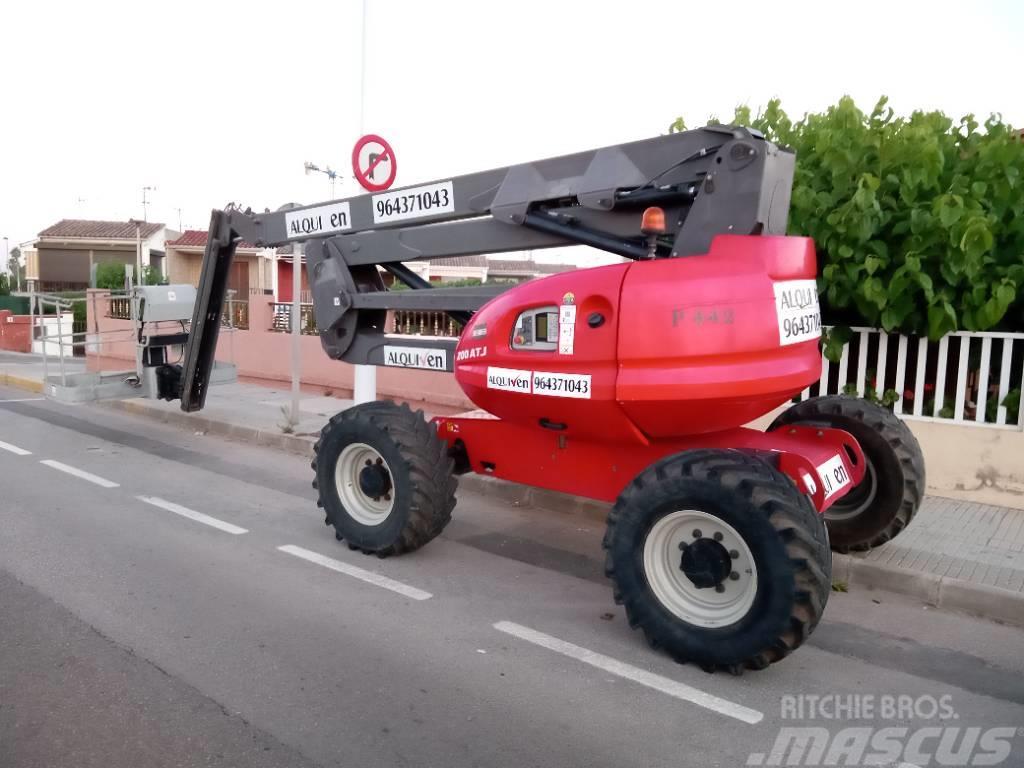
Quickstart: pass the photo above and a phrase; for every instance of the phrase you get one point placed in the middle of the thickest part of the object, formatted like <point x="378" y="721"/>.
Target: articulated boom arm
<point x="708" y="181"/>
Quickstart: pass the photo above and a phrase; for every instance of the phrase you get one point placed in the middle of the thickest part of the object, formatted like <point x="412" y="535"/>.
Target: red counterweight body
<point x="671" y="347"/>
<point x="627" y="363"/>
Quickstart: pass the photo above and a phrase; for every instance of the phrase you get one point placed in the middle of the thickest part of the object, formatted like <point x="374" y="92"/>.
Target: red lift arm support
<point x="825" y="464"/>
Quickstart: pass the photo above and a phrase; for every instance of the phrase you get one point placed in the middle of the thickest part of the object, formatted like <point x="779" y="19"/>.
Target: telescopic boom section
<point x="710" y="181"/>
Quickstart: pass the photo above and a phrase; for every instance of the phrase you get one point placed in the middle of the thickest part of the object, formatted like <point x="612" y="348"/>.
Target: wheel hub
<point x="374" y="481"/>
<point x="700" y="568"/>
<point x="363" y="482"/>
<point x="706" y="563"/>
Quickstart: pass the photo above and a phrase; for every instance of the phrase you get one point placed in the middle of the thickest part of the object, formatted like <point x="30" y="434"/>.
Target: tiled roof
<point x="461" y="261"/>
<point x="552" y="269"/>
<point x="514" y="266"/>
<point x="101" y="230"/>
<point x="197" y="238"/>
<point x="527" y="267"/>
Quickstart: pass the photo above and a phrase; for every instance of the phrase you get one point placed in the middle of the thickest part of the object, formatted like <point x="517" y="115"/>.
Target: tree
<point x="918" y="221"/>
<point x="16" y="269"/>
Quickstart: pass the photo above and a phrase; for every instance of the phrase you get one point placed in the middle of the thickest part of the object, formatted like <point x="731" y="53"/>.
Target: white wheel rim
<point x="702" y="606"/>
<point x="361" y="507"/>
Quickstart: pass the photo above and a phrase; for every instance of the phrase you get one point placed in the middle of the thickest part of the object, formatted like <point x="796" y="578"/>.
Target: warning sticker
<point x="796" y="306"/>
<point x="410" y="357"/>
<point x="566" y="328"/>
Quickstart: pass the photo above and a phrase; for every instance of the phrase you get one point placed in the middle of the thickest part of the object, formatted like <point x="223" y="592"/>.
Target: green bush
<point x="918" y="221"/>
<point x="110" y="275"/>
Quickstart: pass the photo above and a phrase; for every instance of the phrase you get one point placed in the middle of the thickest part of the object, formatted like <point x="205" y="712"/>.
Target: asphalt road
<point x="170" y="599"/>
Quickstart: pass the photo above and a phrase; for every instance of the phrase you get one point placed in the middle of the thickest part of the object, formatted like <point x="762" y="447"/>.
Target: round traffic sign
<point x="373" y="163"/>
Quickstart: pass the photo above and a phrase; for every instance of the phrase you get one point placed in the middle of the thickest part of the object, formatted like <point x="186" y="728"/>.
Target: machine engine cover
<point x="651" y="349"/>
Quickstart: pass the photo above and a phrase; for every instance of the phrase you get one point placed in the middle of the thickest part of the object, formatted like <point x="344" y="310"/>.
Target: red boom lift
<point x="628" y="383"/>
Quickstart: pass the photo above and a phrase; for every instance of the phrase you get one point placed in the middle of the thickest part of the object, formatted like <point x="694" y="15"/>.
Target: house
<point x="63" y="255"/>
<point x="486" y="269"/>
<point x="252" y="270"/>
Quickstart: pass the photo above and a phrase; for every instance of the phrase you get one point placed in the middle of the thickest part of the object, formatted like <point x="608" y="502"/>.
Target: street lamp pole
<point x="364" y="385"/>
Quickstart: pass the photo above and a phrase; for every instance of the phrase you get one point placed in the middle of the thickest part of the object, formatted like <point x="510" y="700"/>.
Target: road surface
<point x="173" y="599"/>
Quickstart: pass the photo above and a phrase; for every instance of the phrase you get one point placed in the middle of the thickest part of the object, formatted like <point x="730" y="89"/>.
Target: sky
<point x="211" y="102"/>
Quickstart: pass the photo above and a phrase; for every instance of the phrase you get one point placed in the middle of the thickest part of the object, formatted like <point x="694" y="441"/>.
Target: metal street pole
<point x="296" y="327"/>
<point x="364" y="387"/>
<point x="7" y="264"/>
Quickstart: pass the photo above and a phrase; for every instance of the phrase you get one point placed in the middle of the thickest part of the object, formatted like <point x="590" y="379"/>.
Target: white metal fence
<point x="964" y="377"/>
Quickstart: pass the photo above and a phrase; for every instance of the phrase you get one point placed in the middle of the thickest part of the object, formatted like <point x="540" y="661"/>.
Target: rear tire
<point x="888" y="497"/>
<point x="384" y="478"/>
<point x="745" y="569"/>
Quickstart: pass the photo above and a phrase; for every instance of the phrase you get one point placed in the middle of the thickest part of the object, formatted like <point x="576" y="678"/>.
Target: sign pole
<point x="296" y="329"/>
<point x="364" y="387"/>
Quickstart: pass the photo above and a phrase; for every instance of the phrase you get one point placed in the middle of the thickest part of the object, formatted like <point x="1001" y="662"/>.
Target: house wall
<point x="264" y="355"/>
<point x="284" y="281"/>
<point x="186" y="266"/>
<point x="15" y="332"/>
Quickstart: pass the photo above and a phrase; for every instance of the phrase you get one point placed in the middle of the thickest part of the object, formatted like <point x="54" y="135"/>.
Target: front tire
<point x="888" y="497"/>
<point x="384" y="478"/>
<point x="718" y="559"/>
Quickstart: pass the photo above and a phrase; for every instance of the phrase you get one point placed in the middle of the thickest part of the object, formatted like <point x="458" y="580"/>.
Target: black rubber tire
<point x="420" y="470"/>
<point x="785" y="535"/>
<point x="892" y="451"/>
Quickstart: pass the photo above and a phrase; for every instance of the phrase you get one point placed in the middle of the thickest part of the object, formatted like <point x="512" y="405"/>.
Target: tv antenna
<point x="145" y="202"/>
<point x="327" y="171"/>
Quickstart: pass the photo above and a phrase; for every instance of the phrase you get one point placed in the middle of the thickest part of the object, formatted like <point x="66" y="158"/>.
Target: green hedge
<point x="918" y="221"/>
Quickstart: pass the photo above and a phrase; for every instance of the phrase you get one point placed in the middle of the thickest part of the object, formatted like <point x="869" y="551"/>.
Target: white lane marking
<point x="191" y="514"/>
<point x="629" y="672"/>
<point x="351" y="570"/>
<point x="80" y="473"/>
<point x="15" y="449"/>
<point x="22" y="400"/>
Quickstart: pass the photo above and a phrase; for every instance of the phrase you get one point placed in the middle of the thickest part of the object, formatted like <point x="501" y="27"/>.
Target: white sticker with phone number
<point x="539" y="382"/>
<point x="562" y="384"/>
<point x="798" y="311"/>
<point x="414" y="203"/>
<point x="833" y="475"/>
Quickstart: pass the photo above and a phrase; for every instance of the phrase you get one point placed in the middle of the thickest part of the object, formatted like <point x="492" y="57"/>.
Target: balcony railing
<point x="416" y="323"/>
<point x="282" y="318"/>
<point x="236" y="315"/>
<point x="119" y="308"/>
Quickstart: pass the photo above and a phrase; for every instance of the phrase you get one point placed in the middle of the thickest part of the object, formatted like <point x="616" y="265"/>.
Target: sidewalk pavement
<point x="955" y="554"/>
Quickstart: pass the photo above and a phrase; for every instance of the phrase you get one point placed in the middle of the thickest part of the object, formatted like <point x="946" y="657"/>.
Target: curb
<point x="290" y="443"/>
<point x="855" y="571"/>
<point x="18" y="382"/>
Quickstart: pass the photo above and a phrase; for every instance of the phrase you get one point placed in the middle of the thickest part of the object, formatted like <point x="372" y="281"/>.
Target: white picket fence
<point x="970" y="368"/>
